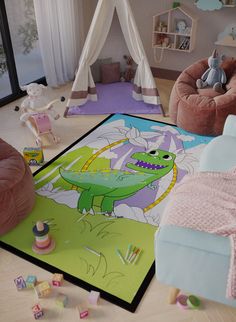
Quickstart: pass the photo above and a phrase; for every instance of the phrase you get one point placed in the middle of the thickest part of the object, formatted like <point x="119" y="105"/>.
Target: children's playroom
<point x="118" y="160"/>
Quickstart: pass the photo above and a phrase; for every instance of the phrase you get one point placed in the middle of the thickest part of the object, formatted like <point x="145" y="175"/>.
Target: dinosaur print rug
<point x="103" y="198"/>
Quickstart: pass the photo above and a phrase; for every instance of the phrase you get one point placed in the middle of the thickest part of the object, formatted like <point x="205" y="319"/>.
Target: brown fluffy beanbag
<point x="17" y="194"/>
<point x="203" y="112"/>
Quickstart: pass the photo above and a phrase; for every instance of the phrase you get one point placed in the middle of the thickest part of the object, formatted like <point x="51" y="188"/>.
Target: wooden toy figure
<point x="129" y="71"/>
<point x="43" y="244"/>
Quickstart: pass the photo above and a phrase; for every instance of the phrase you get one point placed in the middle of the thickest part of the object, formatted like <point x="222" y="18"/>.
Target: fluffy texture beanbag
<point x="17" y="194"/>
<point x="202" y="111"/>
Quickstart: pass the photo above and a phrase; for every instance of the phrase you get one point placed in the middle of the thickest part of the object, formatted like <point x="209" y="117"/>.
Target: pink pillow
<point x="17" y="194"/>
<point x="110" y="73"/>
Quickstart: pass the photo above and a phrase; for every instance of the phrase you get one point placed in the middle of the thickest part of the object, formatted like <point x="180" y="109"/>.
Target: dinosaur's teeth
<point x="147" y="165"/>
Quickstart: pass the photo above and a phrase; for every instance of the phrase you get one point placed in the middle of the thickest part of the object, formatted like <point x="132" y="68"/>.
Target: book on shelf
<point x="184" y="45"/>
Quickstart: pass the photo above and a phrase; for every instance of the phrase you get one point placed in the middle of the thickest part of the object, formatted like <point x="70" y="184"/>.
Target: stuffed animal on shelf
<point x="214" y="76"/>
<point x="37" y="113"/>
<point x="129" y="71"/>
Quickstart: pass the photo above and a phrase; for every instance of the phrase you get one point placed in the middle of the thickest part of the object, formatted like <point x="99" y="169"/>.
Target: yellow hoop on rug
<point x="157" y="201"/>
<point x="94" y="156"/>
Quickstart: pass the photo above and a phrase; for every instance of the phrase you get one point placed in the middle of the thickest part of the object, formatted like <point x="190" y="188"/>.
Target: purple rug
<point x="114" y="98"/>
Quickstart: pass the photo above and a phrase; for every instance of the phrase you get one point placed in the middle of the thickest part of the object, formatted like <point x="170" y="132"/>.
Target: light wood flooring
<point x="16" y="306"/>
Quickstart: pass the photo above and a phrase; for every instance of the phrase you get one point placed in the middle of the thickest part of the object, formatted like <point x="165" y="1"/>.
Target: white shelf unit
<point x="227" y="39"/>
<point x="225" y="3"/>
<point x="165" y="34"/>
<point x="229" y="3"/>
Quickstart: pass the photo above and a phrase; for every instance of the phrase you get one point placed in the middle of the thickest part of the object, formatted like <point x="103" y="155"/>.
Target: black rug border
<point x="131" y="307"/>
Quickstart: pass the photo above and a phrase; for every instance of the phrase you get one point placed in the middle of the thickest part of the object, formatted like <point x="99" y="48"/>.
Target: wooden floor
<point x="16" y="306"/>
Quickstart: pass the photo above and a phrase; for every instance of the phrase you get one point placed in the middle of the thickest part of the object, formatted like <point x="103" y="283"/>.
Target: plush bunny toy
<point x="214" y="76"/>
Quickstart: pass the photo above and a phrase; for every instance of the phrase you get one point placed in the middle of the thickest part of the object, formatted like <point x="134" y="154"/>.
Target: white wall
<point x="210" y="23"/>
<point x="115" y="45"/>
<point x="88" y="11"/>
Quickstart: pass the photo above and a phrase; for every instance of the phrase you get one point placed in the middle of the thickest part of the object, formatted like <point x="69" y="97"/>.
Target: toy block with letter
<point x="57" y="279"/>
<point x="20" y="283"/>
<point x="82" y="310"/>
<point x="43" y="289"/>
<point x="31" y="281"/>
<point x="37" y="311"/>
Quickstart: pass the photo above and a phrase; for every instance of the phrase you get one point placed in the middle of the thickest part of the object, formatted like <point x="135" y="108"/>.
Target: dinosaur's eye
<point x="154" y="152"/>
<point x="167" y="157"/>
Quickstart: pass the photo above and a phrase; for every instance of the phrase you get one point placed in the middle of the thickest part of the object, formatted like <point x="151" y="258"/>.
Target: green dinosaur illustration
<point x="114" y="184"/>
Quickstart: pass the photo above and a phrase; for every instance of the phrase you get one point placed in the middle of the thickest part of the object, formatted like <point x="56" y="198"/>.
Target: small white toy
<point x="37" y="113"/>
<point x="93" y="297"/>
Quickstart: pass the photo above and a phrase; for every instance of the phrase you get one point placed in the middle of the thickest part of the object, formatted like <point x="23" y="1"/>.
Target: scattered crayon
<point x="137" y="256"/>
<point x="120" y="256"/>
<point x="92" y="251"/>
<point x="128" y="251"/>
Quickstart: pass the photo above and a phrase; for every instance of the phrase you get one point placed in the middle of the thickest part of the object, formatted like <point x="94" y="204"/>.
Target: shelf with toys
<point x="174" y="29"/>
<point x="227" y="37"/>
<point x="229" y="3"/>
<point x="207" y="5"/>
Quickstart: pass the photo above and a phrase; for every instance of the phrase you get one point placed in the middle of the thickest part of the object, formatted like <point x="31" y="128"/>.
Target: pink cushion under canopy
<point x="110" y="73"/>
<point x="17" y="194"/>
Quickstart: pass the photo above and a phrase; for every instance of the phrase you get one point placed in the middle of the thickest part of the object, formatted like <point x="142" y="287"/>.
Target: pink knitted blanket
<point x="206" y="201"/>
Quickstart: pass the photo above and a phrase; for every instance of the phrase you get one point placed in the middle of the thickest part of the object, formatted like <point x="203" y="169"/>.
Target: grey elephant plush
<point x="214" y="76"/>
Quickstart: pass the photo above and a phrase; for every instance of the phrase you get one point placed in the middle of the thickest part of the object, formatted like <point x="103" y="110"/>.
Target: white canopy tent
<point x="144" y="84"/>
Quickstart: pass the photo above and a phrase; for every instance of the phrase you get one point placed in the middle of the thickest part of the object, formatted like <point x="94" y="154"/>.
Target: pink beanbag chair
<point x="202" y="111"/>
<point x="17" y="195"/>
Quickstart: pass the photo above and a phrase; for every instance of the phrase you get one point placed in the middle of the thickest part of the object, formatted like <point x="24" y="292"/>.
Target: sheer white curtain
<point x="59" y="24"/>
<point x="84" y="87"/>
<point x="144" y="84"/>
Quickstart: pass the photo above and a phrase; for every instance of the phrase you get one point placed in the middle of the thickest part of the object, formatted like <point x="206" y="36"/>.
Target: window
<point x="20" y="58"/>
<point x="5" y="85"/>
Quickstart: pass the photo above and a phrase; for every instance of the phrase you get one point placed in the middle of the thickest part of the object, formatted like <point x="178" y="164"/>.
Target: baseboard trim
<point x="165" y="73"/>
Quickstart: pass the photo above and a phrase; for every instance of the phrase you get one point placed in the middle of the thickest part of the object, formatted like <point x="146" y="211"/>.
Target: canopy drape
<point x="144" y="84"/>
<point x="59" y="23"/>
